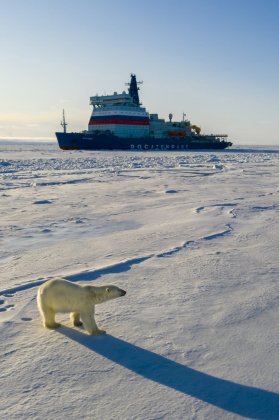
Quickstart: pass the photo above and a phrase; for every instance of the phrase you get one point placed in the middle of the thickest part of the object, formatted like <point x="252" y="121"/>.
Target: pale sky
<point x="215" y="60"/>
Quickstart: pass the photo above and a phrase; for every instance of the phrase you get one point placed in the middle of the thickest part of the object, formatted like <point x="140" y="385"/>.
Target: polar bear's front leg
<point x="90" y="324"/>
<point x="75" y="318"/>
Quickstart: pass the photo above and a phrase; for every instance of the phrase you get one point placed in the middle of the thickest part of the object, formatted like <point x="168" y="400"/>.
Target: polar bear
<point x="58" y="295"/>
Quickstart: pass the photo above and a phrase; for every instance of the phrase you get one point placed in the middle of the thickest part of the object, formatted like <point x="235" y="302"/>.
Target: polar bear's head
<point x="101" y="294"/>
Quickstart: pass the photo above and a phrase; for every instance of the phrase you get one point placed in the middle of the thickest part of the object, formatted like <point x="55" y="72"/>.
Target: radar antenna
<point x="63" y="122"/>
<point x="133" y="89"/>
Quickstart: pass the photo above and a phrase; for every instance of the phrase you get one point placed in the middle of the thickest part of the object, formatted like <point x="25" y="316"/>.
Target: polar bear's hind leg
<point x="49" y="319"/>
<point x="48" y="314"/>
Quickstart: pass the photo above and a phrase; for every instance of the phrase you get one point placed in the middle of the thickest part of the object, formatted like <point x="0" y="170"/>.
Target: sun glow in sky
<point x="215" y="60"/>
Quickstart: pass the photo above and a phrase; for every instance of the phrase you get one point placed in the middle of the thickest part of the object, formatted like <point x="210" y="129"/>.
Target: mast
<point x="133" y="89"/>
<point x="63" y="122"/>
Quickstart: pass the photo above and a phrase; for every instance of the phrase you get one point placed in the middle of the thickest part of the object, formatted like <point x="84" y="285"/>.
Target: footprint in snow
<point x="171" y="191"/>
<point x="42" y="202"/>
<point x="6" y="308"/>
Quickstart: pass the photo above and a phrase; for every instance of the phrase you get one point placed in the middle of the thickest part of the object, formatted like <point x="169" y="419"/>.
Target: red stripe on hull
<point x="124" y="122"/>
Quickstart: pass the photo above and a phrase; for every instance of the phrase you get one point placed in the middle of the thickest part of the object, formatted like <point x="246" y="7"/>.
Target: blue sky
<point x="215" y="60"/>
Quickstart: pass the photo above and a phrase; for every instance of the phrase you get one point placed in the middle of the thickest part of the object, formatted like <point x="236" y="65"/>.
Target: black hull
<point x="85" y="141"/>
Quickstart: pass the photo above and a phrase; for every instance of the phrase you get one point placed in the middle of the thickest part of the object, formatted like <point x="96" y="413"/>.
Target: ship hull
<point x="87" y="141"/>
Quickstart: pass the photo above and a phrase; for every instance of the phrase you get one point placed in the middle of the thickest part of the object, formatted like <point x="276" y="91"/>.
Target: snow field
<point x="192" y="237"/>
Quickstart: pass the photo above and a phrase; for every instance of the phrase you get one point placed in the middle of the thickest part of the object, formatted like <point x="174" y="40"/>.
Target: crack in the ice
<point x="202" y="208"/>
<point x="120" y="267"/>
<point x="218" y="234"/>
<point x="87" y="275"/>
<point x="176" y="249"/>
<point x="187" y="244"/>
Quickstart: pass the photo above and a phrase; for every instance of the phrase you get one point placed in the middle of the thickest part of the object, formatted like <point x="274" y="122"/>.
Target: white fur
<point x="61" y="296"/>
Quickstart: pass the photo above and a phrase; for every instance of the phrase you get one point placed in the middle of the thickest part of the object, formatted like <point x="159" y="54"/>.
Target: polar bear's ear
<point x="108" y="290"/>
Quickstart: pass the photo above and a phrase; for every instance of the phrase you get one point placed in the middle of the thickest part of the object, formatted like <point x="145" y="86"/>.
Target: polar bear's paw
<point x="97" y="332"/>
<point x="53" y="325"/>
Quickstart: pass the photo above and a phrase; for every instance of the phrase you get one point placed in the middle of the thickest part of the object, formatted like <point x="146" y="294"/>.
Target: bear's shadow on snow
<point x="240" y="399"/>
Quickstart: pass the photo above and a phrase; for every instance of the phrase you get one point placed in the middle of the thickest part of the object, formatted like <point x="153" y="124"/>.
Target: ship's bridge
<point x="117" y="99"/>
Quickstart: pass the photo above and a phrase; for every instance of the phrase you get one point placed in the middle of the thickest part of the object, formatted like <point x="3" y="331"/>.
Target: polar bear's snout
<point x="113" y="292"/>
<point x="122" y="292"/>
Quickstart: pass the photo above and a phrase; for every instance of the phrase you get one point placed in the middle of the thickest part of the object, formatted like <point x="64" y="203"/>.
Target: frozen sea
<point x="193" y="239"/>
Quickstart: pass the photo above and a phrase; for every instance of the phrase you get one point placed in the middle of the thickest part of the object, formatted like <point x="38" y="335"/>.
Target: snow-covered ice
<point x="192" y="237"/>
